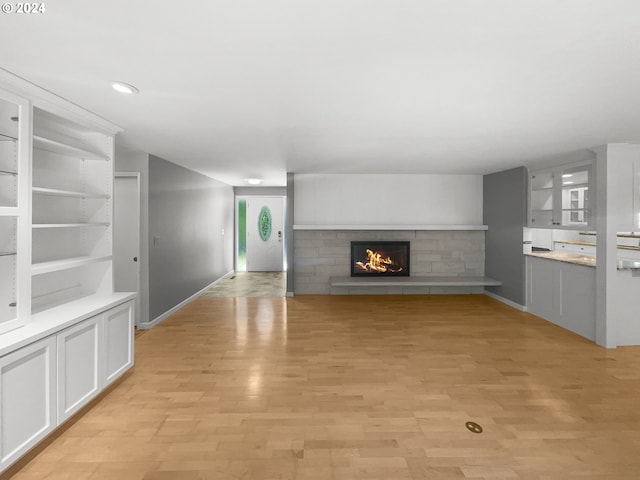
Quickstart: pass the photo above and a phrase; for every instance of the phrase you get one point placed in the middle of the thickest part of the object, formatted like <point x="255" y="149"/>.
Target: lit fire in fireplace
<point x="377" y="262"/>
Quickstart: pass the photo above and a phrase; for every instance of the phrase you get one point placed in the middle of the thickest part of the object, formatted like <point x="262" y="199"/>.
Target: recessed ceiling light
<point x="254" y="181"/>
<point x="122" y="87"/>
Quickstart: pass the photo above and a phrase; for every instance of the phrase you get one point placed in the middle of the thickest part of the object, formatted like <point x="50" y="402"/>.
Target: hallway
<point x="250" y="284"/>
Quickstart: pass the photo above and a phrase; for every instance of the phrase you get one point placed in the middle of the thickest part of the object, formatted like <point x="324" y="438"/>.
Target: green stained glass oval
<point x="264" y="223"/>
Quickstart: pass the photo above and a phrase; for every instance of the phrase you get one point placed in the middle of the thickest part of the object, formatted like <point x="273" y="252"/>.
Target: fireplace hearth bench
<point x="355" y="282"/>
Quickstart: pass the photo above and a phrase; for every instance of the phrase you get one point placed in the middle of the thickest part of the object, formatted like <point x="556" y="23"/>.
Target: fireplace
<point x="379" y="259"/>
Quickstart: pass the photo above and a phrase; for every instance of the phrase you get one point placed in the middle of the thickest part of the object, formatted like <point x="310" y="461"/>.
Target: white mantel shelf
<point x="390" y="227"/>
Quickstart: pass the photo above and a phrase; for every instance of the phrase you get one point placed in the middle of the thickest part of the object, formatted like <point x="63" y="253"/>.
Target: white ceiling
<point x="244" y="88"/>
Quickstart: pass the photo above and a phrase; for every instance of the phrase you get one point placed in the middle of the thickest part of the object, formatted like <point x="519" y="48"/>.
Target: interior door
<point x="126" y="235"/>
<point x="265" y="234"/>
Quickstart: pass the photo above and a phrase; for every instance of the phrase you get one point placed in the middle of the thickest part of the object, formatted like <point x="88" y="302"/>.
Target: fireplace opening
<point x="379" y="259"/>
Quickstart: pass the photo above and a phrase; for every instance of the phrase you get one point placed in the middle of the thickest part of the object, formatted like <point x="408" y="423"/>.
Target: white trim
<point x="137" y="314"/>
<point x="515" y="305"/>
<point x="289" y="294"/>
<point x="53" y="103"/>
<point x="171" y="311"/>
<point x="390" y="227"/>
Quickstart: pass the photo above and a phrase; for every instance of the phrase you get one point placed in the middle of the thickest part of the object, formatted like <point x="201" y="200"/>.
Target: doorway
<point x="126" y="235"/>
<point x="260" y="234"/>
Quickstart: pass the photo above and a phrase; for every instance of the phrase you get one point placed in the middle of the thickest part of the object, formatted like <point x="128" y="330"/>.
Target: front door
<point x="265" y="234"/>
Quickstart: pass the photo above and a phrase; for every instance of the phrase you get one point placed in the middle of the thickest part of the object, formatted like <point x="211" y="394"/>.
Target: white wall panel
<point x="400" y="199"/>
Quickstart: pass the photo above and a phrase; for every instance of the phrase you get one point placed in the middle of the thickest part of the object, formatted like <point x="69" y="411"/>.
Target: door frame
<point x="138" y="300"/>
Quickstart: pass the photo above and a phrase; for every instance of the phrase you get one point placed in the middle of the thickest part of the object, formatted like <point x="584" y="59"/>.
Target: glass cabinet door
<point x="542" y="197"/>
<point x="576" y="205"/>
<point x="561" y="197"/>
<point x="8" y="273"/>
<point x="8" y="154"/>
<point x="13" y="208"/>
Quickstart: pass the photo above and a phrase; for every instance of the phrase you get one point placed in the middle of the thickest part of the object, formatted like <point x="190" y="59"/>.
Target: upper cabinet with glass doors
<point x="561" y="197"/>
<point x="14" y="207"/>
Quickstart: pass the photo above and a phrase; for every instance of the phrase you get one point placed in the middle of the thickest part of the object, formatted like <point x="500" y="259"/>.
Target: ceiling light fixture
<point x="254" y="181"/>
<point x="567" y="175"/>
<point x="122" y="87"/>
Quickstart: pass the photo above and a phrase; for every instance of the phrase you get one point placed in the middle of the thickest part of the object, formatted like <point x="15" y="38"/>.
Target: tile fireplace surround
<point x="322" y="254"/>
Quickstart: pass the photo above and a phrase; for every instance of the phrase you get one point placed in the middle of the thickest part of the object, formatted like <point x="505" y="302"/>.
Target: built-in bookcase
<point x="64" y="333"/>
<point x="56" y="181"/>
<point x="71" y="213"/>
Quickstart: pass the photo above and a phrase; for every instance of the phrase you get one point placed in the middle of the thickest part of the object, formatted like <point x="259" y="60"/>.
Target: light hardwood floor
<point x="321" y="387"/>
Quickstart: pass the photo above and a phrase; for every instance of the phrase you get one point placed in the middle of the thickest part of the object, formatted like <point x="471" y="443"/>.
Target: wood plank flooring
<point x="359" y="387"/>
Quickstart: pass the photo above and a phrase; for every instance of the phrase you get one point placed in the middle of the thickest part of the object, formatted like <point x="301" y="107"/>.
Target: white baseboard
<point x="159" y="318"/>
<point x="289" y="294"/>
<point x="515" y="305"/>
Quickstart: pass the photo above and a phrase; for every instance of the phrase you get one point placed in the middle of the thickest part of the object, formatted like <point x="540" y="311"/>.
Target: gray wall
<point x="288" y="233"/>
<point x="130" y="161"/>
<point x="259" y="191"/>
<point x="188" y="213"/>
<point x="505" y="213"/>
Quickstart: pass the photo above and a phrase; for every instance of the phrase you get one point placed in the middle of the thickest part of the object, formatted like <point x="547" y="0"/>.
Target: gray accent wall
<point x="288" y="233"/>
<point x="190" y="233"/>
<point x="505" y="213"/>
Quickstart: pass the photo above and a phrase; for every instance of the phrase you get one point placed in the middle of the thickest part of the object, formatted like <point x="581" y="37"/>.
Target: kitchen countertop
<point x="620" y="235"/>
<point x="585" y="260"/>
<point x="593" y="244"/>
<point x="574" y="258"/>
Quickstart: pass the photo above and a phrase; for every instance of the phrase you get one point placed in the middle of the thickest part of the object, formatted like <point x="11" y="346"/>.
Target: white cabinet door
<point x="28" y="393"/>
<point x="79" y="366"/>
<point x="118" y="341"/>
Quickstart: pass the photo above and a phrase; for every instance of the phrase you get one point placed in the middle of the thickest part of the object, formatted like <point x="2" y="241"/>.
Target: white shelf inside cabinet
<point x="9" y="211"/>
<point x="68" y="193"/>
<point x="65" y="264"/>
<point x="7" y="138"/>
<point x="54" y="146"/>
<point x="58" y="318"/>
<point x="69" y="225"/>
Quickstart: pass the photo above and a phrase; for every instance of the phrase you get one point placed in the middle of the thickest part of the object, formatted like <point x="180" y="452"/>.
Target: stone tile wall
<point x="321" y="254"/>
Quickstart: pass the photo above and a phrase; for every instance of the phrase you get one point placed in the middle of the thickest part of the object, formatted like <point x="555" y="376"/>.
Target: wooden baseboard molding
<point x="48" y="440"/>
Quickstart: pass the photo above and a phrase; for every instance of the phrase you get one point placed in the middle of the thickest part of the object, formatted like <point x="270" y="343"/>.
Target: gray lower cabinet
<point x="563" y="293"/>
